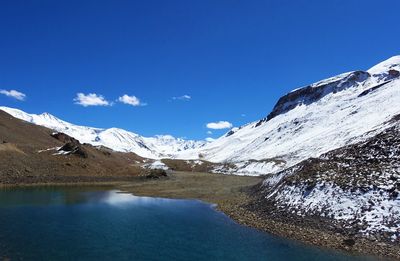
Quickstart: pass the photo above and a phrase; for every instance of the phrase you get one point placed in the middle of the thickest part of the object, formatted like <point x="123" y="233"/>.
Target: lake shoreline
<point x="317" y="237"/>
<point x="235" y="205"/>
<point x="231" y="195"/>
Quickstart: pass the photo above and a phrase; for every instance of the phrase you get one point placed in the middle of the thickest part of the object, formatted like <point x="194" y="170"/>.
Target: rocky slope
<point x="353" y="190"/>
<point x="117" y="139"/>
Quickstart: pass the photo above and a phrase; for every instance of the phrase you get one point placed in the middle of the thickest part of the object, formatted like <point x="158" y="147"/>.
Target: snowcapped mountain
<point x="117" y="139"/>
<point x="311" y="120"/>
<point x="306" y="122"/>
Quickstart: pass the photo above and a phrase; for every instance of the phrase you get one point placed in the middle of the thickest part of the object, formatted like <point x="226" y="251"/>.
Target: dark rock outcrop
<point x="156" y="174"/>
<point x="394" y="73"/>
<point x="75" y="149"/>
<point x="71" y="146"/>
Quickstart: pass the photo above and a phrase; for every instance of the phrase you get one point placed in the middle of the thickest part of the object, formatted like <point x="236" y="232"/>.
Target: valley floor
<point x="232" y="195"/>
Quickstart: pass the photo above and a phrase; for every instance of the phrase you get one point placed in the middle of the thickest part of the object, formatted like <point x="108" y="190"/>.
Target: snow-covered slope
<point x="114" y="138"/>
<point x="312" y="120"/>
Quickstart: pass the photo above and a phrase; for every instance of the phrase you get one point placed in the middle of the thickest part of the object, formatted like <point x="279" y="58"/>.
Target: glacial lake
<point x="78" y="223"/>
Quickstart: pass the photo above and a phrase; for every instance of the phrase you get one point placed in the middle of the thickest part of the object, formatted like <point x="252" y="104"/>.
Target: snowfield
<point x="155" y="165"/>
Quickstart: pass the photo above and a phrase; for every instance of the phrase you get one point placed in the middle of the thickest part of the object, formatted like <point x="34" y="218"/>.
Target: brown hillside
<point x="28" y="154"/>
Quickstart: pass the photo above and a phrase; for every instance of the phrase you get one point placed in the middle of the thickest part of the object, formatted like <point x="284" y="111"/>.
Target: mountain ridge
<point x="304" y="123"/>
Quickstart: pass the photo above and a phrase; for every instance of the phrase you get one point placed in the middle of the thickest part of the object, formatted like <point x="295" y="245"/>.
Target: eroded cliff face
<point x="314" y="92"/>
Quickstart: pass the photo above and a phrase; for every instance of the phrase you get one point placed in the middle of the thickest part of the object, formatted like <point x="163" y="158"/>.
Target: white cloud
<point x="14" y="94"/>
<point x="209" y="132"/>
<point x="91" y="99"/>
<point x="131" y="100"/>
<point x="209" y="139"/>
<point x="243" y="115"/>
<point x="183" y="98"/>
<point x="219" y="125"/>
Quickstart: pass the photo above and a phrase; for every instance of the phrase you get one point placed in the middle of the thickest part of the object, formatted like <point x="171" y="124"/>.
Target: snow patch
<point x="156" y="165"/>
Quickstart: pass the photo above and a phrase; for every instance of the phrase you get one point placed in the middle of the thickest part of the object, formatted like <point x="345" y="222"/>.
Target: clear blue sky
<point x="233" y="58"/>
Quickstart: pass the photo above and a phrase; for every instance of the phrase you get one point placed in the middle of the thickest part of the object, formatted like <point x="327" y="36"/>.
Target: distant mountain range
<point x="161" y="146"/>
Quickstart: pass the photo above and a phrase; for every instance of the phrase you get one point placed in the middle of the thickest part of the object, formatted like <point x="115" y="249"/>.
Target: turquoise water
<point x="100" y="224"/>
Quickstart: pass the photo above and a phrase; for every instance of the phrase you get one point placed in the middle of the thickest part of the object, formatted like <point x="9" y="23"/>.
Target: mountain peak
<point x="383" y="71"/>
<point x="393" y="63"/>
<point x="48" y="115"/>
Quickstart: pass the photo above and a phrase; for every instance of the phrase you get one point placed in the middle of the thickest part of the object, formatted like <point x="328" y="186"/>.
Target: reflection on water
<point x="30" y="196"/>
<point x="116" y="198"/>
<point x="44" y="196"/>
<point x="69" y="223"/>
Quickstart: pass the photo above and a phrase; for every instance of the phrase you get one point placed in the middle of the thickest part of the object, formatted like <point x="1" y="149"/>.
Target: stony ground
<point x="212" y="188"/>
